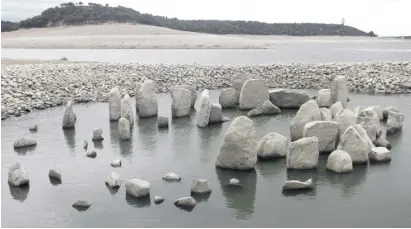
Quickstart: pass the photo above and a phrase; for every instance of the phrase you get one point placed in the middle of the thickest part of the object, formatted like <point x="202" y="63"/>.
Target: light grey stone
<point x="298" y="185"/>
<point x="336" y="109"/>
<point x="308" y="112"/>
<point x="113" y="180"/>
<point x="147" y="104"/>
<point x="326" y="132"/>
<point x="124" y="129"/>
<point x="216" y="113"/>
<point x="25" y="142"/>
<point x="272" y="145"/>
<point x="193" y="90"/>
<point x="137" y="94"/>
<point x="97" y="135"/>
<point x="203" y="115"/>
<point x="158" y="199"/>
<point x="355" y="145"/>
<point x="364" y="135"/>
<point x="267" y="108"/>
<point x="323" y="98"/>
<point x="357" y="110"/>
<point x="200" y="186"/>
<point x="339" y="161"/>
<point x="238" y="83"/>
<point x="17" y="175"/>
<point x="286" y="98"/>
<point x="114" y="104"/>
<point x="54" y="174"/>
<point x="171" y="177"/>
<point x="303" y="153"/>
<point x="185" y="202"/>
<point x="137" y="188"/>
<point x="116" y="163"/>
<point x="234" y="182"/>
<point x="379" y="111"/>
<point x="69" y="117"/>
<point x="238" y="150"/>
<point x="387" y="109"/>
<point x="380" y="154"/>
<point x="180" y="102"/>
<point x="394" y="121"/>
<point x="253" y="94"/>
<point x="228" y="98"/>
<point x="127" y="110"/>
<point x="339" y="91"/>
<point x="345" y="119"/>
<point x="369" y="119"/>
<point x="162" y="122"/>
<point x="326" y="114"/>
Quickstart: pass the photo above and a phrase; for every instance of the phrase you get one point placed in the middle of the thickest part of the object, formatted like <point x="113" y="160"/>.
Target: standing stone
<point x="137" y="188"/>
<point x="326" y="132"/>
<point x="114" y="104"/>
<point x="228" y="98"/>
<point x="326" y="114"/>
<point x="25" y="142"/>
<point x="394" y="121"/>
<point x="180" y="102"/>
<point x="303" y="153"/>
<point x="147" y="104"/>
<point x="339" y="161"/>
<point x="285" y="98"/>
<point x="216" y="114"/>
<point x="69" y="118"/>
<point x="162" y="122"/>
<point x="200" y="186"/>
<point x="238" y="83"/>
<point x="253" y="94"/>
<point x="336" y="109"/>
<point x="324" y="97"/>
<point x="124" y="129"/>
<point x="17" y="176"/>
<point x="113" y="180"/>
<point x="380" y="154"/>
<point x="137" y="94"/>
<point x="97" y="135"/>
<point x="308" y="112"/>
<point x="369" y="119"/>
<point x="345" y="119"/>
<point x="352" y="143"/>
<point x="203" y="115"/>
<point x="193" y="90"/>
<point x="127" y="110"/>
<point x="238" y="150"/>
<point x="339" y="91"/>
<point x="272" y="145"/>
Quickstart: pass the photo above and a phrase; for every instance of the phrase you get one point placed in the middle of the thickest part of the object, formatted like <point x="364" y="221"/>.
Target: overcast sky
<point x="384" y="17"/>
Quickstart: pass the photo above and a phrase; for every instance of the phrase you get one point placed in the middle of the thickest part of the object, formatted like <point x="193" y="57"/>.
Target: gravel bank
<point x="40" y="86"/>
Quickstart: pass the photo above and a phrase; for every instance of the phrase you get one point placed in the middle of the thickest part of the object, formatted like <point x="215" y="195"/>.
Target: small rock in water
<point x="53" y="174"/>
<point x="116" y="163"/>
<point x="81" y="205"/>
<point x="137" y="188"/>
<point x="234" y="182"/>
<point x="186" y="202"/>
<point x="17" y="176"/>
<point x="85" y="144"/>
<point x="92" y="154"/>
<point x="33" y="128"/>
<point x="162" y="122"/>
<point x="171" y="177"/>
<point x="298" y="185"/>
<point x="200" y="186"/>
<point x="97" y="135"/>
<point x="158" y="199"/>
<point x="25" y="142"/>
<point x="113" y="180"/>
<point x="380" y="154"/>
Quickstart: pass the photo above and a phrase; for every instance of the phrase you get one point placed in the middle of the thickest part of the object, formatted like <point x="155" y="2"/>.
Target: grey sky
<point x="385" y="17"/>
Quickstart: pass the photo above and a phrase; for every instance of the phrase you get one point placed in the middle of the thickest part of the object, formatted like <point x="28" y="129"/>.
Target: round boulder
<point x="339" y="161"/>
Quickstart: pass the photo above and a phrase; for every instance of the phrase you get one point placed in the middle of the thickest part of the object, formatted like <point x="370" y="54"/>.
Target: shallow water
<point x="305" y="52"/>
<point x="377" y="195"/>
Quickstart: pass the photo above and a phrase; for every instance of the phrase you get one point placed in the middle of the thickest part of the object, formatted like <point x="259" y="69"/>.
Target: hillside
<point x="71" y="14"/>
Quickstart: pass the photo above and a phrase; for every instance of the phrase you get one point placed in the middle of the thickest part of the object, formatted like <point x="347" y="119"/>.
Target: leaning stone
<point x="339" y="91"/>
<point x="137" y="188"/>
<point x="81" y="205"/>
<point x="369" y="119"/>
<point x="116" y="163"/>
<point x="238" y="83"/>
<point x="339" y="161"/>
<point x="180" y="102"/>
<point x="255" y="112"/>
<point x="185" y="202"/>
<point x="171" y="177"/>
<point x="285" y="98"/>
<point x="127" y="110"/>
<point x="238" y="150"/>
<point x="394" y="121"/>
<point x="303" y="153"/>
<point x="326" y="114"/>
<point x="203" y="115"/>
<point x="345" y="119"/>
<point x="324" y="97"/>
<point x="380" y="154"/>
<point x="92" y="154"/>
<point x="69" y="117"/>
<point x="253" y="94"/>
<point x="147" y="104"/>
<point x="97" y="135"/>
<point x="124" y="129"/>
<point x="53" y="174"/>
<point x="298" y="185"/>
<point x="162" y="122"/>
<point x="33" y="128"/>
<point x="387" y="109"/>
<point x="272" y="145"/>
<point x="326" y="132"/>
<point x="17" y="175"/>
<point x="158" y="199"/>
<point x="114" y="104"/>
<point x="228" y="98"/>
<point x="364" y="135"/>
<point x="308" y="112"/>
<point x="25" y="142"/>
<point x="336" y="109"/>
<point x="270" y="109"/>
<point x="200" y="186"/>
<point x="355" y="145"/>
<point x="216" y="113"/>
<point x="113" y="180"/>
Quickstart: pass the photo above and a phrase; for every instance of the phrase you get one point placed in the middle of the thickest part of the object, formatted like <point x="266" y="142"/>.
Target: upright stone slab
<point x="286" y="98"/>
<point x="352" y="143"/>
<point x="336" y="109"/>
<point x="253" y="94"/>
<point x="345" y="119"/>
<point x="114" y="104"/>
<point x="339" y="90"/>
<point x="272" y="145"/>
<point x="308" y="112"/>
<point x="238" y="150"/>
<point x="193" y="90"/>
<point x="394" y="121"/>
<point x="369" y="119"/>
<point x="69" y="117"/>
<point x="228" y="98"/>
<point x="216" y="114"/>
<point x="147" y="104"/>
<point x="137" y="94"/>
<point x="303" y="153"/>
<point x="124" y="129"/>
<point x="180" y="102"/>
<point x="127" y="109"/>
<point x="364" y="135"/>
<point x="238" y="82"/>
<point x="203" y="114"/>
<point x="326" y="132"/>
<point x="324" y="97"/>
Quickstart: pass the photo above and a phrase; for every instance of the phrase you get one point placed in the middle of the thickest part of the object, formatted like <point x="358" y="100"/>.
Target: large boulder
<point x="253" y="94"/>
<point x="308" y="112"/>
<point x="285" y="98"/>
<point x="326" y="114"/>
<point x="113" y="180"/>
<point x="69" y="117"/>
<point x="345" y="119"/>
<point x="394" y="121"/>
<point x="200" y="186"/>
<point x="114" y="104"/>
<point x="339" y="161"/>
<point x="238" y="82"/>
<point x="124" y="129"/>
<point x="216" y="114"/>
<point x="364" y="135"/>
<point x="336" y="109"/>
<point x="339" y="91"/>
<point x="303" y="153"/>
<point x="17" y="175"/>
<point x="203" y="114"/>
<point x="147" y="104"/>
<point x="355" y="145"/>
<point x="324" y="97"/>
<point x="238" y="150"/>
<point x="369" y="119"/>
<point x="298" y="185"/>
<point x="228" y="98"/>
<point x="25" y="142"/>
<point x="180" y="102"/>
<point x="137" y="188"/>
<point x="137" y="94"/>
<point x="326" y="132"/>
<point x="127" y="110"/>
<point x="380" y="154"/>
<point x="272" y="145"/>
<point x="267" y="108"/>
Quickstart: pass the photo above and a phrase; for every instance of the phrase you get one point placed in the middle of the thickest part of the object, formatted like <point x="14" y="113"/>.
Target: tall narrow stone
<point x="69" y="117"/>
<point x="114" y="104"/>
<point x="339" y="91"/>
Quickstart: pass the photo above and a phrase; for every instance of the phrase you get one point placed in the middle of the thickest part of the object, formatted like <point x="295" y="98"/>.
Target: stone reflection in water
<point x="55" y="182"/>
<point x="24" y="150"/>
<point x="201" y="197"/>
<point x="70" y="135"/>
<point x="181" y="129"/>
<point x="138" y="202"/>
<point x="147" y="128"/>
<point x="271" y="167"/>
<point x="19" y="193"/>
<point x="208" y="138"/>
<point x="239" y="199"/>
<point x="348" y="182"/>
<point x="114" y="134"/>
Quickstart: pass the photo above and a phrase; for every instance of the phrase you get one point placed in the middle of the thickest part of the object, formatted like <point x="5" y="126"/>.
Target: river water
<point x="377" y="195"/>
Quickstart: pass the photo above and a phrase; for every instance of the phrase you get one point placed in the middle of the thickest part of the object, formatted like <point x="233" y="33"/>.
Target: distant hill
<point x="79" y="14"/>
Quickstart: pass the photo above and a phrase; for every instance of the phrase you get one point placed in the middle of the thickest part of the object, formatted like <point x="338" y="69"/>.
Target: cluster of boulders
<point x="39" y="86"/>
